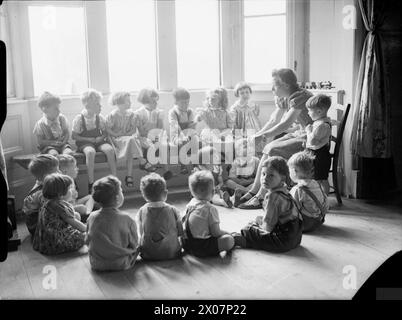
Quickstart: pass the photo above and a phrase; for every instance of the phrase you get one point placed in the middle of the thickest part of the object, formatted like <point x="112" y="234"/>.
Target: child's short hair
<point x="287" y="76"/>
<point x="241" y="85"/>
<point x="304" y="161"/>
<point x="65" y="160"/>
<point x="48" y="99"/>
<point x="90" y="95"/>
<point x="223" y="96"/>
<point x="42" y="165"/>
<point x="181" y="94"/>
<point x="56" y="185"/>
<point x="319" y="101"/>
<point x="279" y="164"/>
<point x="144" y="96"/>
<point x="201" y="183"/>
<point x="118" y="98"/>
<point x="152" y="186"/>
<point x="105" y="190"/>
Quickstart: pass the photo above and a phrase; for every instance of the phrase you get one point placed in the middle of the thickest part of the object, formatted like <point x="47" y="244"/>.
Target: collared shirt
<point x="202" y="216"/>
<point x="320" y="134"/>
<point x="90" y="122"/>
<point x="245" y="116"/>
<point x="278" y="208"/>
<point x="51" y="129"/>
<point x="215" y="118"/>
<point x="121" y="123"/>
<point x="306" y="203"/>
<point x="148" y="119"/>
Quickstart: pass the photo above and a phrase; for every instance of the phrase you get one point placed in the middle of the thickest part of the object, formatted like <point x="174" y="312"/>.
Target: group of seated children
<point x="159" y="232"/>
<point x="294" y="201"/>
<point x="125" y="134"/>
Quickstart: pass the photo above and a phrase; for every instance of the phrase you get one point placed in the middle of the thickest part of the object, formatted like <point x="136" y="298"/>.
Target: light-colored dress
<point x="148" y="120"/>
<point x="123" y="124"/>
<point x="112" y="240"/>
<point x="219" y="124"/>
<point x="160" y="227"/>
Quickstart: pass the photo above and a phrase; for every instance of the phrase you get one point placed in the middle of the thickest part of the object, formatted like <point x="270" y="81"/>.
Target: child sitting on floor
<point x="182" y="126"/>
<point x="319" y="137"/>
<point x="210" y="160"/>
<point x="280" y="229"/>
<point x="159" y="222"/>
<point x="111" y="234"/>
<point x="84" y="205"/>
<point x="89" y="133"/>
<point x="121" y="125"/>
<point x="150" y="117"/>
<point x="203" y="236"/>
<point x="242" y="171"/>
<point x="59" y="229"/>
<point x="40" y="166"/>
<point x="215" y="116"/>
<point x="308" y="193"/>
<point x="52" y="130"/>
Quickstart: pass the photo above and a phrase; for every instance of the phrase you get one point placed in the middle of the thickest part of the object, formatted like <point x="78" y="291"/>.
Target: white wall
<point x="331" y="57"/>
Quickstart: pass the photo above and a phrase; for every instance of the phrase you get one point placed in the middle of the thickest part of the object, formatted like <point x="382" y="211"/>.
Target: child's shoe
<point x="168" y="175"/>
<point x="253" y="203"/>
<point x="226" y="198"/>
<point x="237" y="196"/>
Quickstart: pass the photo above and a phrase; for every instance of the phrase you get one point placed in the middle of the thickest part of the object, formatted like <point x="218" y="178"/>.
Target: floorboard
<point x="357" y="234"/>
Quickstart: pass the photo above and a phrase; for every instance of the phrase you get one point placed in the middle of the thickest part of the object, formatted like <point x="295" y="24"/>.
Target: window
<point x="131" y="44"/>
<point x="4" y="35"/>
<point x="197" y="43"/>
<point x="58" y="48"/>
<point x="264" y="38"/>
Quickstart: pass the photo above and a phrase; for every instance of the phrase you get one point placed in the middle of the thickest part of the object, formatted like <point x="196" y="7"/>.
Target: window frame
<point x="231" y="47"/>
<point x="289" y="15"/>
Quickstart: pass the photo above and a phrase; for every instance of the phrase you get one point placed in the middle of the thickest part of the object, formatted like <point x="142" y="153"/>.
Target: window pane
<point x="58" y="47"/>
<point x="257" y="7"/>
<point x="197" y="39"/>
<point x="265" y="47"/>
<point x="131" y="44"/>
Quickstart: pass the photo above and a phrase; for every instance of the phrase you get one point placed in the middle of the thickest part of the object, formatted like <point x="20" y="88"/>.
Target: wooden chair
<point x="335" y="154"/>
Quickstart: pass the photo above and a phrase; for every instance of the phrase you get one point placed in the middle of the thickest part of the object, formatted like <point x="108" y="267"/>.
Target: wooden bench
<point x="24" y="160"/>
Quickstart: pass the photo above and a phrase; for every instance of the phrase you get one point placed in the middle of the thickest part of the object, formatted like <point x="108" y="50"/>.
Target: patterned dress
<point x="54" y="235"/>
<point x="123" y="124"/>
<point x="147" y="120"/>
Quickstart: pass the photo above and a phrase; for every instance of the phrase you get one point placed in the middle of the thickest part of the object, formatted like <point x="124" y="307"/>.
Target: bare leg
<point x="53" y="152"/>
<point x="90" y="162"/>
<point x="233" y="185"/>
<point x="111" y="157"/>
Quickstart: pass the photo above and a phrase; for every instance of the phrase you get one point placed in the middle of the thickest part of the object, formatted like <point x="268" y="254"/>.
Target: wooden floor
<point x="357" y="234"/>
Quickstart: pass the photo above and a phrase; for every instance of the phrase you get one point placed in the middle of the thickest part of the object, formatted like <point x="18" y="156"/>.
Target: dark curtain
<point x="371" y="122"/>
<point x="377" y="123"/>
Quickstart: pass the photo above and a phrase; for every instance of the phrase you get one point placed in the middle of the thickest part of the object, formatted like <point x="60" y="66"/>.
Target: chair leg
<point x="335" y="181"/>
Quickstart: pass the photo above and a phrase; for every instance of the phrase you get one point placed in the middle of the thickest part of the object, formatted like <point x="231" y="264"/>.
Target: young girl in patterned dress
<point x="215" y="116"/>
<point x="121" y="126"/>
<point x="59" y="229"/>
<point x="149" y="118"/>
<point x="245" y="115"/>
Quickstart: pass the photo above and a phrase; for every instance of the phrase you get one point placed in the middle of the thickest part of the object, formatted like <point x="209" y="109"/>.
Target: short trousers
<point x="58" y="149"/>
<point x="202" y="247"/>
<point x="322" y="163"/>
